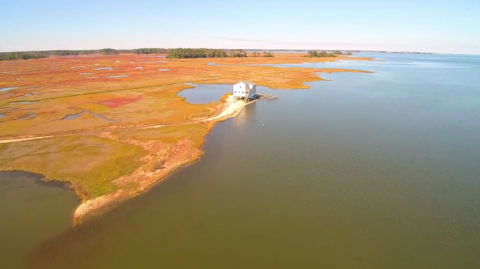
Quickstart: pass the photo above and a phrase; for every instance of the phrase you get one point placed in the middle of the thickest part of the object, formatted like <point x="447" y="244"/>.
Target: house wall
<point x="239" y="90"/>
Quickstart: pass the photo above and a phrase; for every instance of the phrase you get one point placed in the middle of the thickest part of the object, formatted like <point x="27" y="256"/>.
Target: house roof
<point x="244" y="82"/>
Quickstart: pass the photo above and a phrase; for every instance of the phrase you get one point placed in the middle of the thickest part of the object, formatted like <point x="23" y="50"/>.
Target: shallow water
<point x="104" y="68"/>
<point x="7" y="89"/>
<point x="365" y="171"/>
<point x="30" y="213"/>
<point x="205" y="93"/>
<point x="103" y="117"/>
<point x="117" y="76"/>
<point x="25" y="95"/>
<point x="23" y="102"/>
<point x="163" y="69"/>
<point x="73" y="116"/>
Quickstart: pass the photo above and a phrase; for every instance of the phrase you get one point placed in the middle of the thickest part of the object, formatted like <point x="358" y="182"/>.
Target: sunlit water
<point x="205" y="93"/>
<point x="376" y="170"/>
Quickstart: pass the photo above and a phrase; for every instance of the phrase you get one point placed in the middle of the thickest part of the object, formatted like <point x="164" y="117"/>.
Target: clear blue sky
<point x="406" y="25"/>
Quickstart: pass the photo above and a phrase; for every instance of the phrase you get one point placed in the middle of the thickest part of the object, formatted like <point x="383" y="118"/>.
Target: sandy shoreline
<point x="231" y="109"/>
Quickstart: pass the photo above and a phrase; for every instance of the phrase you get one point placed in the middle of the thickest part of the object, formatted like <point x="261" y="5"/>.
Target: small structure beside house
<point x="245" y="90"/>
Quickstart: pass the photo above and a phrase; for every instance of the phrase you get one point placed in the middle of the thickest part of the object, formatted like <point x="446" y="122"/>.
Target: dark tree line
<point x="109" y="51"/>
<point x="183" y="53"/>
<point x="237" y="53"/>
<point x="179" y="53"/>
<point x="314" y="53"/>
<point x="19" y="56"/>
<point x="149" y="51"/>
<point x="264" y="54"/>
<point x="25" y="55"/>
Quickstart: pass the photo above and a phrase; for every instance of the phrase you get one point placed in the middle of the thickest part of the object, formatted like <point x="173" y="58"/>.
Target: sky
<point x="440" y="26"/>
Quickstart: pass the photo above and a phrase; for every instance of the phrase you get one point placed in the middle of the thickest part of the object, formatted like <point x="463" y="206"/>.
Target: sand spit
<point x="147" y="179"/>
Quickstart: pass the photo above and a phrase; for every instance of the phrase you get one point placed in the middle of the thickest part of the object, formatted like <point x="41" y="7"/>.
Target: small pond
<point x="23" y="102"/>
<point x="139" y="67"/>
<point x="162" y="69"/>
<point x="7" y="89"/>
<point x="25" y="95"/>
<point x="81" y="66"/>
<point x="104" y="68"/>
<point x="73" y="116"/>
<point x="205" y="93"/>
<point x="117" y="76"/>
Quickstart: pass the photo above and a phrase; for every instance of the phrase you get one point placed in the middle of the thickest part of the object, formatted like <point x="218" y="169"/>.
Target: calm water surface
<point x="205" y="93"/>
<point x="30" y="212"/>
<point x="374" y="170"/>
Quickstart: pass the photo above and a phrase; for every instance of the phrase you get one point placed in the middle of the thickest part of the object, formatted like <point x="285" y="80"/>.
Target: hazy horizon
<point x="372" y="25"/>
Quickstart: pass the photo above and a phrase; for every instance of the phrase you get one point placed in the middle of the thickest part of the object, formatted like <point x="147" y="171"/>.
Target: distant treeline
<point x="264" y="54"/>
<point x="19" y="56"/>
<point x="185" y="53"/>
<point x="182" y="53"/>
<point x="196" y="53"/>
<point x="25" y="55"/>
<point x="314" y="53"/>
<point x="178" y="53"/>
<point x="149" y="51"/>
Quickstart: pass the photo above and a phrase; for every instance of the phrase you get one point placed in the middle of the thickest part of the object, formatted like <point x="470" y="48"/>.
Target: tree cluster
<point x="182" y="53"/>
<point x="24" y="55"/>
<point x="6" y="56"/>
<point x="264" y="54"/>
<point x="314" y="53"/>
<point x="149" y="51"/>
<point x="185" y="53"/>
<point x="109" y="51"/>
<point x="237" y="53"/>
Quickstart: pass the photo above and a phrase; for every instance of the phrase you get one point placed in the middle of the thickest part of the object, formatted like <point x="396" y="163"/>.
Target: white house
<point x="244" y="90"/>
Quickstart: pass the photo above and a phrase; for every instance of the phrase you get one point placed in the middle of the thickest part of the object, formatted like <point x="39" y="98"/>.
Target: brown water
<point x="30" y="212"/>
<point x="366" y="171"/>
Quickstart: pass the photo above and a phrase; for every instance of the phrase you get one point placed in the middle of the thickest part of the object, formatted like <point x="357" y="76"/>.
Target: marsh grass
<point x="169" y="134"/>
<point x="89" y="163"/>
